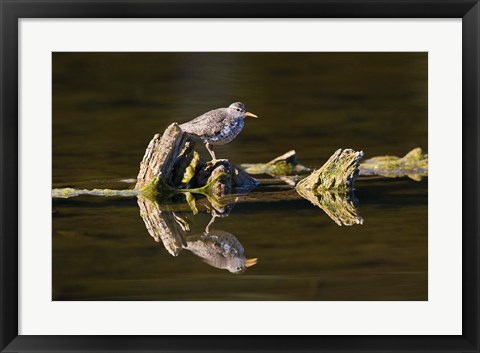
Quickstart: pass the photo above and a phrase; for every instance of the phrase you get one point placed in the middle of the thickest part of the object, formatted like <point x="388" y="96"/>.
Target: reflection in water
<point x="220" y="249"/>
<point x="217" y="248"/>
<point x="339" y="206"/>
<point x="163" y="225"/>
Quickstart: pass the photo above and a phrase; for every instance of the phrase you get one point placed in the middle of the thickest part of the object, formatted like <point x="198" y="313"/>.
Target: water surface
<point x="107" y="107"/>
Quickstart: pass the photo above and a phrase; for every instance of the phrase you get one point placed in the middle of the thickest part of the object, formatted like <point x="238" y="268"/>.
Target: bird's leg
<point x="212" y="220"/>
<point x="214" y="159"/>
<point x="210" y="150"/>
<point x="181" y="222"/>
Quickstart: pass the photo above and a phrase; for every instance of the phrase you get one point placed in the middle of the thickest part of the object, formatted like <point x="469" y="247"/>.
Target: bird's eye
<point x="238" y="110"/>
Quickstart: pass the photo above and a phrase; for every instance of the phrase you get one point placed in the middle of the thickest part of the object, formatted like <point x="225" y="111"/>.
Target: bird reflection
<point x="217" y="248"/>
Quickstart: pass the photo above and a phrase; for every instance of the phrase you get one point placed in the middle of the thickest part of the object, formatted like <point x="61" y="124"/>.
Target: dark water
<point x="107" y="107"/>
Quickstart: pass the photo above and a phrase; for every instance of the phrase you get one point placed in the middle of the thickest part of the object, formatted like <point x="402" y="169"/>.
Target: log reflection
<point x="218" y="248"/>
<point x="341" y="207"/>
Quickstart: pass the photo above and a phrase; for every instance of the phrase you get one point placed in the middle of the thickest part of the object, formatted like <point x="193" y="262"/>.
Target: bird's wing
<point x="205" y="124"/>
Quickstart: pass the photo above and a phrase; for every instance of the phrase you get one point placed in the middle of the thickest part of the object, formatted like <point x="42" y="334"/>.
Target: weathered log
<point x="286" y="167"/>
<point x="337" y="174"/>
<point x="228" y="178"/>
<point x="414" y="165"/>
<point x="286" y="164"/>
<point x="331" y="187"/>
<point x="159" y="159"/>
<point x="66" y="193"/>
<point x="171" y="164"/>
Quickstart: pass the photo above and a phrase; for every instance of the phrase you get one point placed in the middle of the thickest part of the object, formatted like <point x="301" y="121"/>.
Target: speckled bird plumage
<point x="219" y="126"/>
<point x="216" y="126"/>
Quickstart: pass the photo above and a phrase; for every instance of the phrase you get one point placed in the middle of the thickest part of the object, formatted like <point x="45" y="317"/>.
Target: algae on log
<point x="414" y="165"/>
<point x="286" y="164"/>
<point x="170" y="164"/>
<point x="331" y="187"/>
<point x="338" y="173"/>
<point x="66" y="193"/>
<point x="229" y="178"/>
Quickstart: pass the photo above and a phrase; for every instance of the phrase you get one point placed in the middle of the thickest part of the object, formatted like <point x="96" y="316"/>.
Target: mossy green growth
<point x="156" y="188"/>
<point x="276" y="169"/>
<point x="150" y="190"/>
<point x="413" y="165"/>
<point x="282" y="168"/>
<point x="191" y="202"/>
<point x="66" y="193"/>
<point x="338" y="173"/>
<point x="283" y="165"/>
<point x="190" y="170"/>
<point x="206" y="189"/>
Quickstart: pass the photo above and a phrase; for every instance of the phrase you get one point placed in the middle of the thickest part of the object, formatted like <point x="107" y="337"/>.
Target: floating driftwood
<point x="414" y="165"/>
<point x="171" y="164"/>
<point x="171" y="169"/>
<point x="65" y="193"/>
<point x="331" y="187"/>
<point x="337" y="174"/>
<point x="286" y="164"/>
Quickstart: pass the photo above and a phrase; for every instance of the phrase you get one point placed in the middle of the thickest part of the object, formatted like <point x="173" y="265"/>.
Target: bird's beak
<point x="250" y="262"/>
<point x="251" y="114"/>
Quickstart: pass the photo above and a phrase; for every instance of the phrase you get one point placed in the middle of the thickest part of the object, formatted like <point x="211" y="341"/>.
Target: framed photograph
<point x="232" y="176"/>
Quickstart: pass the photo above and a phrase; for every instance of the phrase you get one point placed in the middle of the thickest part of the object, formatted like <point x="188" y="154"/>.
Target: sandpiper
<point x="219" y="126"/>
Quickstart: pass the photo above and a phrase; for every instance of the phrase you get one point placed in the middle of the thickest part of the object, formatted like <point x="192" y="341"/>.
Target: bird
<point x="218" y="126"/>
<point x="221" y="250"/>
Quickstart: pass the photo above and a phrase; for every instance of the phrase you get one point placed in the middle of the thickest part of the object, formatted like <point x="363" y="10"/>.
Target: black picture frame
<point x="12" y="11"/>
